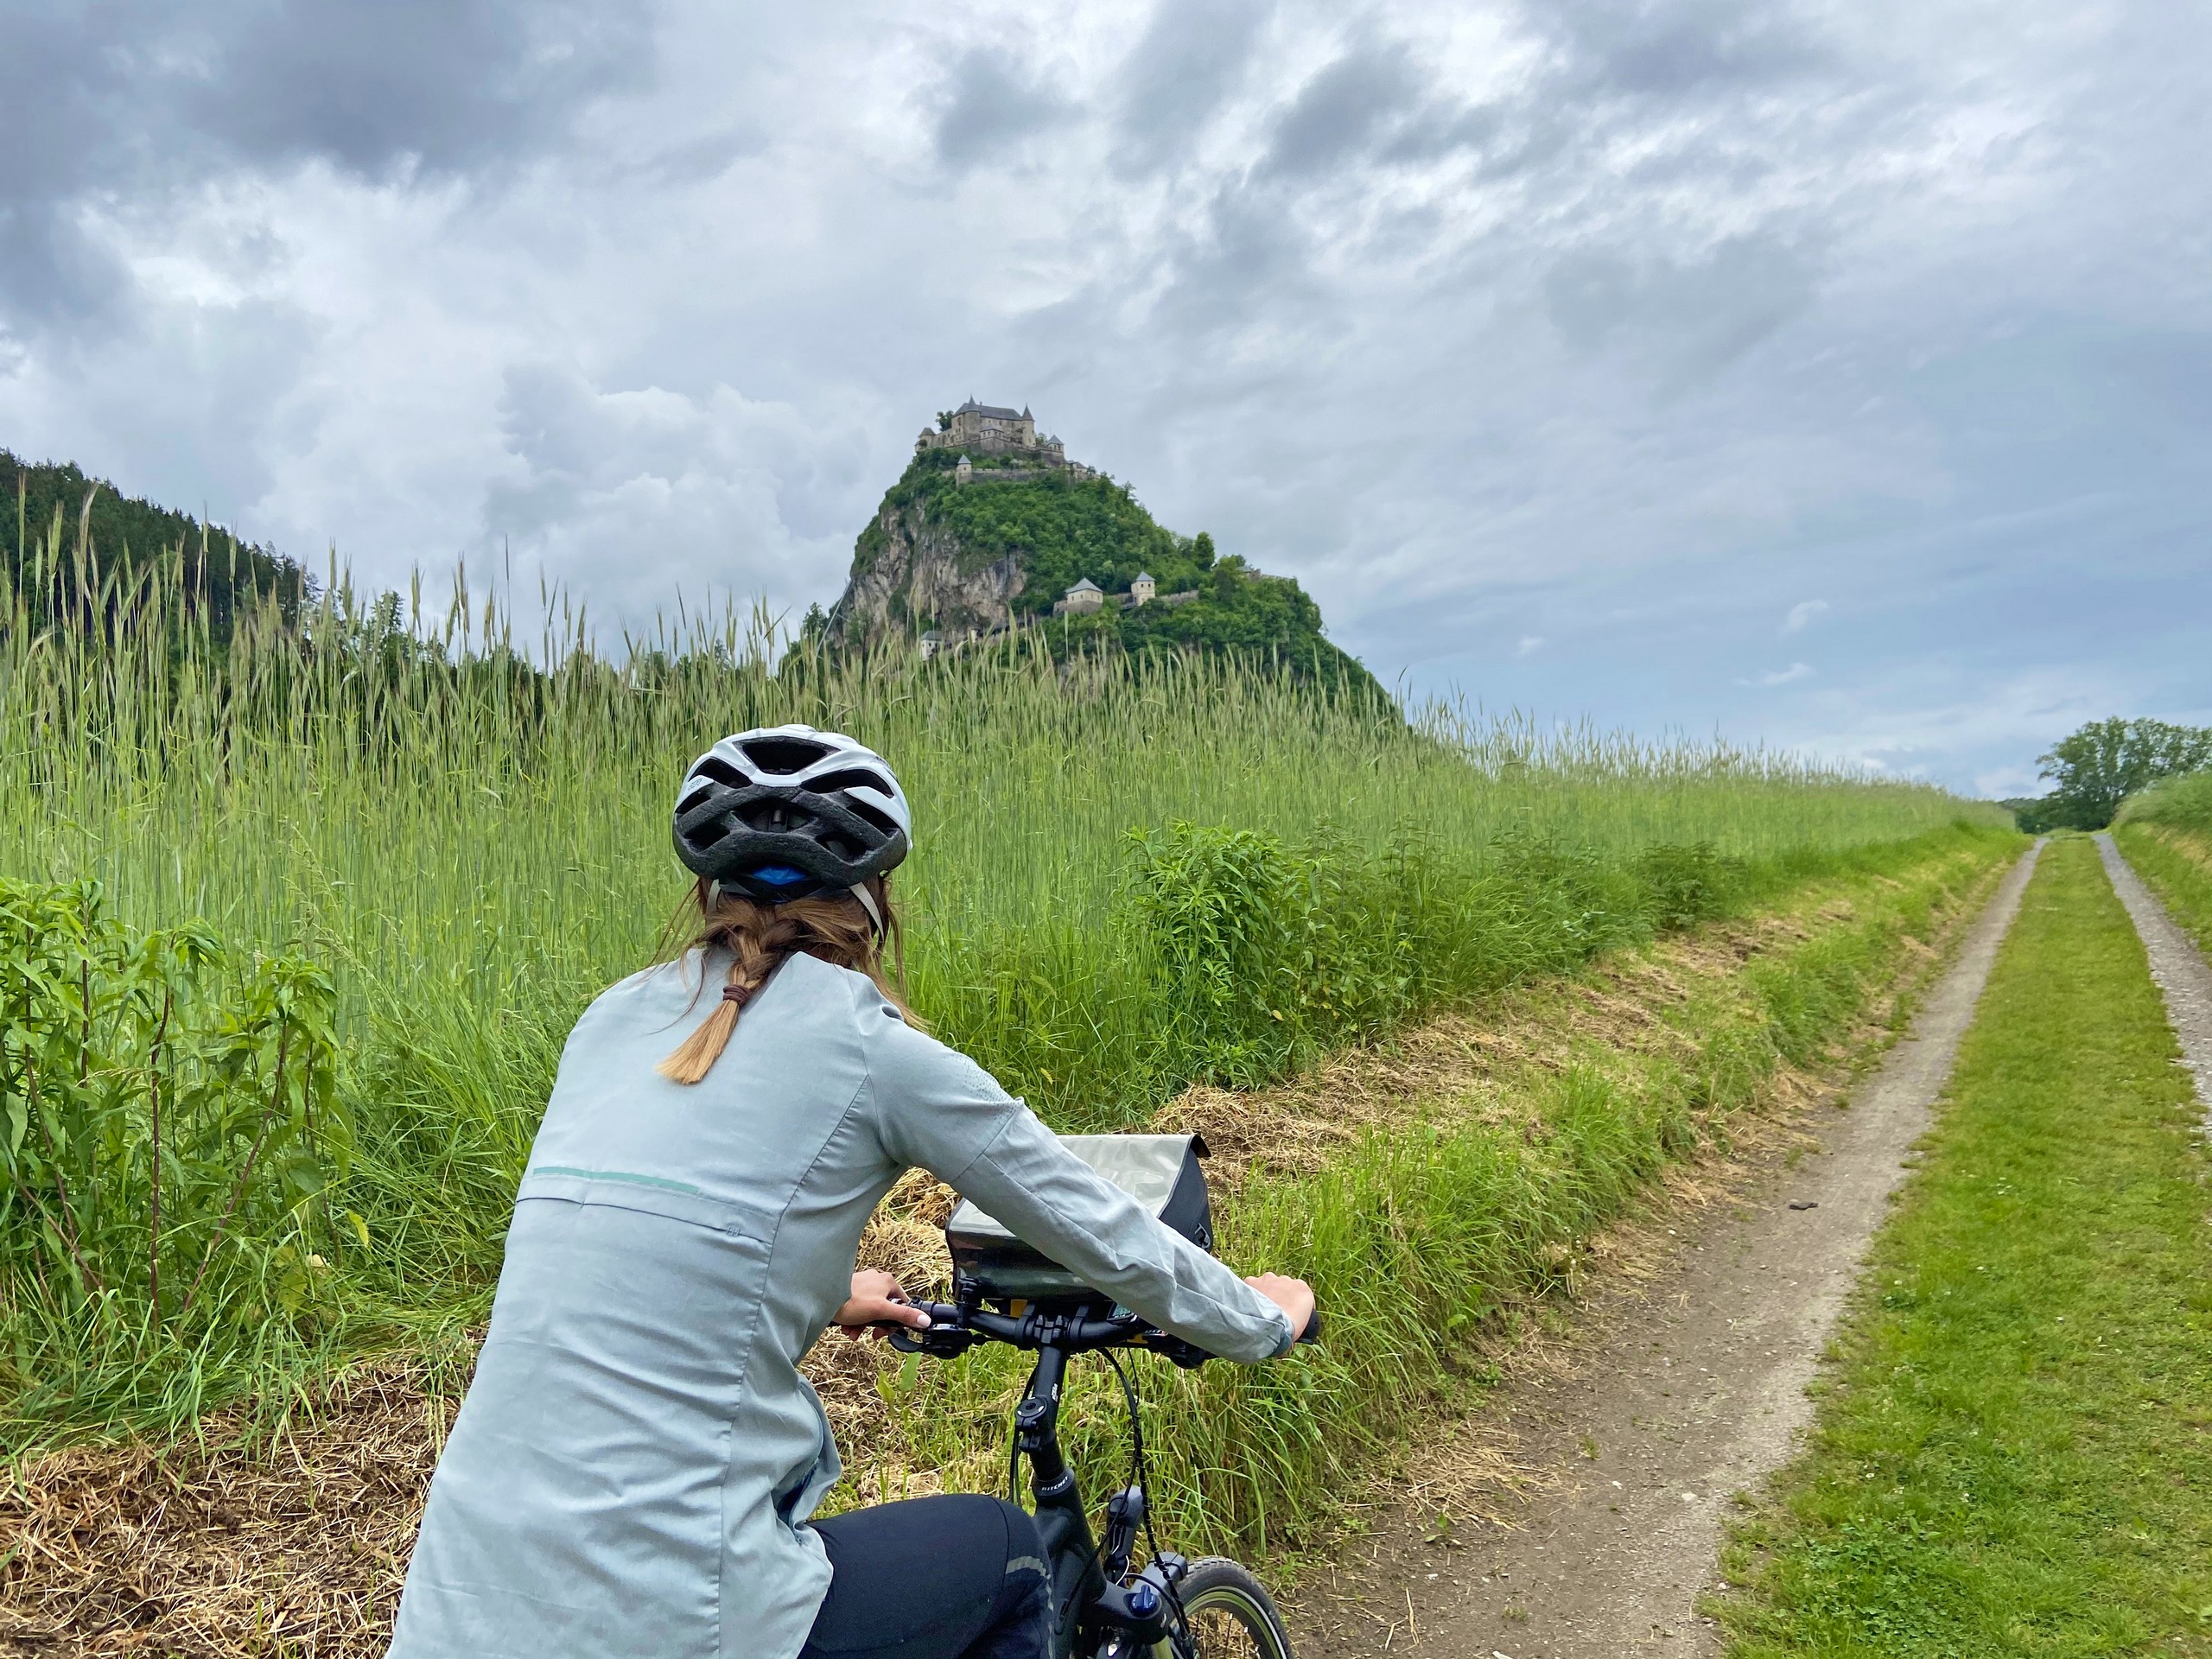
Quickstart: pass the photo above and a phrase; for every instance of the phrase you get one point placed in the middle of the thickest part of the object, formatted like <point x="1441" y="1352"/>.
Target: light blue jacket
<point x="633" y="1469"/>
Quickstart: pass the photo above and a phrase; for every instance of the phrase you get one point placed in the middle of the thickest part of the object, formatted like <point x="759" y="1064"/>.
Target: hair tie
<point x="740" y="995"/>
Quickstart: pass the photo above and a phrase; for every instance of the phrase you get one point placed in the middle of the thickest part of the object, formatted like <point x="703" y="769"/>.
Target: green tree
<point x="2102" y="765"/>
<point x="70" y="532"/>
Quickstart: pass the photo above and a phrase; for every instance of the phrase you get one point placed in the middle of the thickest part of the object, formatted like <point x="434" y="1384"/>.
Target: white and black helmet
<point x="787" y="812"/>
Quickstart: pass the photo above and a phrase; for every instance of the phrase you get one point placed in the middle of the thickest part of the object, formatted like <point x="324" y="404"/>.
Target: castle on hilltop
<point x="986" y="430"/>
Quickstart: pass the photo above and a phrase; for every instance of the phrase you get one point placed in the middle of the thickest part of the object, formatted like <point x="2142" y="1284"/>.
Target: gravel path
<point x="1673" y="1401"/>
<point x="2174" y="964"/>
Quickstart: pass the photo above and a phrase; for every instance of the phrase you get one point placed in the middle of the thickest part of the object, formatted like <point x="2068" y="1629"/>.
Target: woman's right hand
<point x="1293" y="1296"/>
<point x="878" y="1300"/>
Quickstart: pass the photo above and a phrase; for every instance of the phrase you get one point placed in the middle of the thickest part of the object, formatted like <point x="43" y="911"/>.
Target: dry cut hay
<point x="294" y="1542"/>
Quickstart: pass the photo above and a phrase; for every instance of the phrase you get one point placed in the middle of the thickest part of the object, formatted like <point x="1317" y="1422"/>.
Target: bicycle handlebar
<point x="953" y="1330"/>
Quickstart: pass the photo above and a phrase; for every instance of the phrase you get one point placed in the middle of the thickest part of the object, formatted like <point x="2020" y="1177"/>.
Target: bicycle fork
<point x="1085" y="1599"/>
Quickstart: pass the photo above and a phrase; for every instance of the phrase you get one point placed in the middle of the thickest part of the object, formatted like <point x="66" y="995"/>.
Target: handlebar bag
<point x="1160" y="1172"/>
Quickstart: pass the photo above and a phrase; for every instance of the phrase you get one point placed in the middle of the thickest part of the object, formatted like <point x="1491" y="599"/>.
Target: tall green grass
<point x="1126" y="876"/>
<point x="2166" y="832"/>
<point x="2181" y="802"/>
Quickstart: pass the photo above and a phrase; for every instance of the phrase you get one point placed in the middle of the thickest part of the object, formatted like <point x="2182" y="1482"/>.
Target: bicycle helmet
<point x="788" y="812"/>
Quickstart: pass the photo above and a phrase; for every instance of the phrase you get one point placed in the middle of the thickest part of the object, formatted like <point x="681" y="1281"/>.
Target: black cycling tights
<point x="934" y="1577"/>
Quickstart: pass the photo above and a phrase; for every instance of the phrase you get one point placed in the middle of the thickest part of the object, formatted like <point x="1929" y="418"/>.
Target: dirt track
<point x="1668" y="1400"/>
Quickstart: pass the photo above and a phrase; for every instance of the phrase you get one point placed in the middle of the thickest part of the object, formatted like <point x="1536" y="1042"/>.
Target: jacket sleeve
<point x="940" y="1111"/>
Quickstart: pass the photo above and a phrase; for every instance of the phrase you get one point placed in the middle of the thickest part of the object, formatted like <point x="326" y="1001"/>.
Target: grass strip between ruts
<point x="2014" y="1457"/>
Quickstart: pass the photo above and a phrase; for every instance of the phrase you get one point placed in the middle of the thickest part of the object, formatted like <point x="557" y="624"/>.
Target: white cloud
<point x="1800" y="613"/>
<point x="1529" y="645"/>
<point x="1789" y="676"/>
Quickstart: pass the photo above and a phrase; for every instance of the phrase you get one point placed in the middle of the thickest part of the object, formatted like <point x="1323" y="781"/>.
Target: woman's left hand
<point x="877" y="1300"/>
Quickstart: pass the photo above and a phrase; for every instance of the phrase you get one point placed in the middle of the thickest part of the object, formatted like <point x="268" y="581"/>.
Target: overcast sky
<point x="1833" y="375"/>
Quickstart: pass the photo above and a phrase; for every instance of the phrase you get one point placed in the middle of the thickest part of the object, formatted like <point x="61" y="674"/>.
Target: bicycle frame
<point x="1097" y="1606"/>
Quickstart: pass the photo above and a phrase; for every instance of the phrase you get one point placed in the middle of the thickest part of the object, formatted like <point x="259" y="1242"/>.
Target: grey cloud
<point x="1252" y="260"/>
<point x="1691" y="317"/>
<point x="1437" y="129"/>
<point x="50" y="272"/>
<point x="1187" y="60"/>
<point x="126" y="102"/>
<point x="1248" y="263"/>
<point x="1338" y="112"/>
<point x="707" y="491"/>
<point x="697" y="160"/>
<point x="455" y="84"/>
<point x="990" y="103"/>
<point x="1662" y="50"/>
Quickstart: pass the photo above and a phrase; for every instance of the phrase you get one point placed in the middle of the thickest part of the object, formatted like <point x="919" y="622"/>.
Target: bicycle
<point x="1173" y="1608"/>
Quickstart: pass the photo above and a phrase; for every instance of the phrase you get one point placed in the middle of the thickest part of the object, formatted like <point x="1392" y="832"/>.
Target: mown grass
<point x="1129" y="876"/>
<point x="2014" y="1457"/>
<point x="1423" y="1234"/>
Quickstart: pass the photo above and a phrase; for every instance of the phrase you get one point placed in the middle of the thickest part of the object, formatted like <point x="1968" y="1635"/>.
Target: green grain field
<point x="327" y="891"/>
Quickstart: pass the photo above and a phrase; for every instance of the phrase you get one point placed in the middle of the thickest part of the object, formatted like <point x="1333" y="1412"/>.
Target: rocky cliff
<point x="911" y="572"/>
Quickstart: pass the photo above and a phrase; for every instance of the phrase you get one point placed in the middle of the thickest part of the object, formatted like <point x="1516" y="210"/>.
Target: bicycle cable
<point x="1142" y="1480"/>
<point x="1013" y="1457"/>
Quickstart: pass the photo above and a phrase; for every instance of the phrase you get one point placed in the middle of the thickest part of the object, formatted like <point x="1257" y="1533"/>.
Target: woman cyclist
<point x="635" y="1463"/>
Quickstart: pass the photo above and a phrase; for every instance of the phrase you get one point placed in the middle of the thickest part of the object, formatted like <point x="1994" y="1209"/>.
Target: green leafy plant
<point x="170" y="1123"/>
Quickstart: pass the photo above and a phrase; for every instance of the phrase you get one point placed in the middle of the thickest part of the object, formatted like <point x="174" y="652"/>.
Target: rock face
<point x="909" y="577"/>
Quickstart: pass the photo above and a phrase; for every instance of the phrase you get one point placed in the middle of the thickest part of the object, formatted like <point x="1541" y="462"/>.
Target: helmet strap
<point x="859" y="891"/>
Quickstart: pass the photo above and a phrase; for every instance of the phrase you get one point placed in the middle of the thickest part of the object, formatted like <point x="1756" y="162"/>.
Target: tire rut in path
<point x="1691" y="1391"/>
<point x="2180" y="971"/>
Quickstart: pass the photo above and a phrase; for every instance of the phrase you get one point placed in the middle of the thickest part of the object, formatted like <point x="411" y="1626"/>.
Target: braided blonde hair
<point x="835" y="928"/>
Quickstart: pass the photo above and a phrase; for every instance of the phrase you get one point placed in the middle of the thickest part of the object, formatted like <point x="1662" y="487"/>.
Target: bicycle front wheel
<point x="1229" y="1614"/>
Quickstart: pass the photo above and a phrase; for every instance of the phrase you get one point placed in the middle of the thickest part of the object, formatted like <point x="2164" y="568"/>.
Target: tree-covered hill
<point x="997" y="552"/>
<point x="62" y="518"/>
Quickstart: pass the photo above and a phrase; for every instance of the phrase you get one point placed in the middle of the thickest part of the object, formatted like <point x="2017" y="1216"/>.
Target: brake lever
<point x="940" y="1342"/>
<point x="1186" y="1354"/>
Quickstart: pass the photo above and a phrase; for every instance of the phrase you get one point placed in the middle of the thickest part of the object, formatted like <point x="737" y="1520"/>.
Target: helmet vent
<point x="852" y="778"/>
<point x="721" y="771"/>
<point x="776" y="817"/>
<point x="882" y="820"/>
<point x="784" y="754"/>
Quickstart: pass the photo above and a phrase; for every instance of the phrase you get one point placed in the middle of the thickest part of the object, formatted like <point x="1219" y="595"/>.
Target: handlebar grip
<point x="1313" y="1331"/>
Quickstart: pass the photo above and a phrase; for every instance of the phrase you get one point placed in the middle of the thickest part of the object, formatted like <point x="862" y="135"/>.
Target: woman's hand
<point x="877" y="1298"/>
<point x="1293" y="1296"/>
